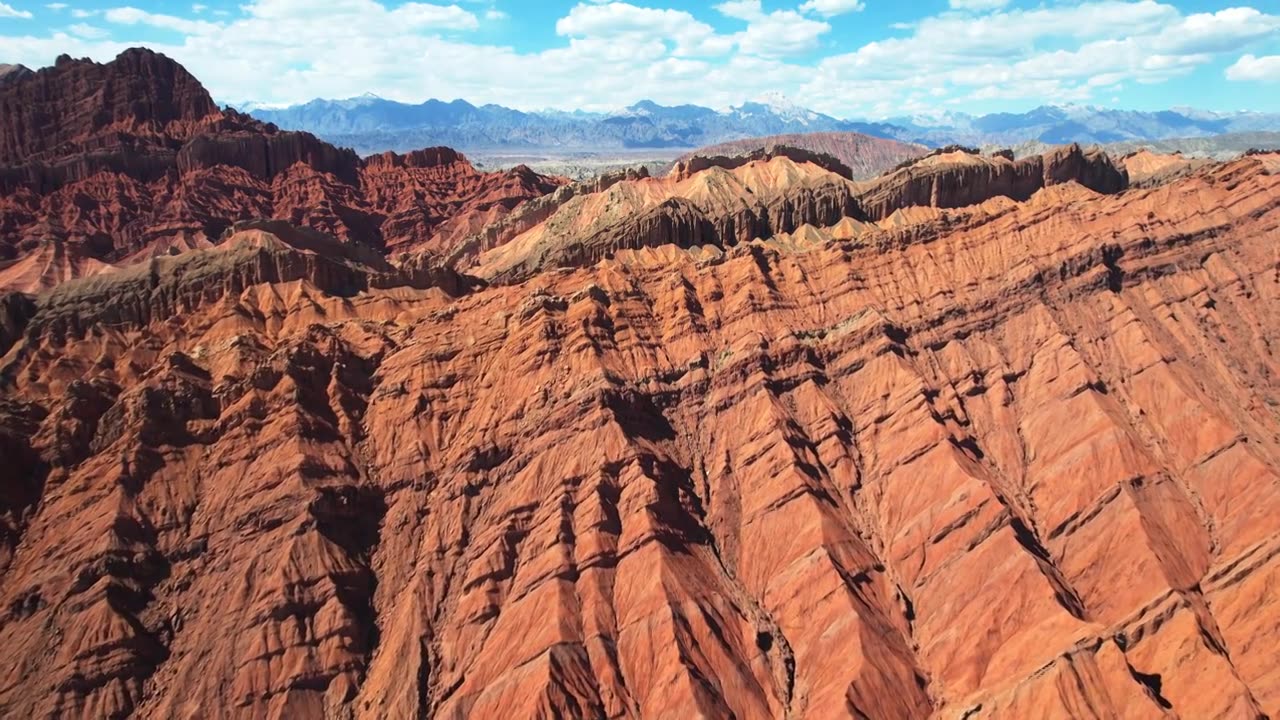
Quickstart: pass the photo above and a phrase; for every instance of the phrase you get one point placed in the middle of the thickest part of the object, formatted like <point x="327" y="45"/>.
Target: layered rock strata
<point x="131" y="159"/>
<point x="864" y="156"/>
<point x="730" y="200"/>
<point x="958" y="177"/>
<point x="1008" y="460"/>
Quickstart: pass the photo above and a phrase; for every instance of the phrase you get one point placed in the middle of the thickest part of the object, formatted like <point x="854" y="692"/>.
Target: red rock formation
<point x="957" y="177"/>
<point x="864" y="155"/>
<point x="726" y="201"/>
<point x="1016" y="459"/>
<point x="139" y="160"/>
<point x="707" y="202"/>
<point x="1149" y="169"/>
<point x="433" y="199"/>
<point x="972" y="440"/>
<point x="9" y="73"/>
<point x="694" y="164"/>
<point x="141" y="93"/>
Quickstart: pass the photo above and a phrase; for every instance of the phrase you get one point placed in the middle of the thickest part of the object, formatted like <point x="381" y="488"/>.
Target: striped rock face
<point x="1014" y="459"/>
<point x="110" y="165"/>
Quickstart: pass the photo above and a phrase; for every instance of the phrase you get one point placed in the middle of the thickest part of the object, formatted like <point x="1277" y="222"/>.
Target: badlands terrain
<point x="291" y="433"/>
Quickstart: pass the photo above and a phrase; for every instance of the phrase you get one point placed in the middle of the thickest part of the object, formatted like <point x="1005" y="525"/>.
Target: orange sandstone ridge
<point x="864" y="156"/>
<point x="978" y="438"/>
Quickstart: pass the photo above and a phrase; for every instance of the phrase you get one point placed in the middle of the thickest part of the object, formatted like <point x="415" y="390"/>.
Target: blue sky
<point x="850" y="58"/>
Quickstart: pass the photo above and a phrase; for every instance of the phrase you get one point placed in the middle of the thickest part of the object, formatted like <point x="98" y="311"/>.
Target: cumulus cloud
<point x="8" y="11"/>
<point x="1256" y="69"/>
<point x="630" y="23"/>
<point x="741" y="9"/>
<point x="88" y="31"/>
<point x="831" y="8"/>
<point x="610" y="53"/>
<point x="1216" y="32"/>
<point x="783" y="32"/>
<point x="134" y="16"/>
<point x="1003" y="54"/>
<point x="978" y="5"/>
<point x="424" y="15"/>
<point x="335" y="13"/>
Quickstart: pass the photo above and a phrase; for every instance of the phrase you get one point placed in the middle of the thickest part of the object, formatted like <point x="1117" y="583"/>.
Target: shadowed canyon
<point x="290" y="433"/>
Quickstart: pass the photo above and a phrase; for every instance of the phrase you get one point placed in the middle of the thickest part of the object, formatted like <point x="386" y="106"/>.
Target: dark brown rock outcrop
<point x="9" y="73"/>
<point x="686" y="168"/>
<point x="268" y="155"/>
<point x="15" y="310"/>
<point x="252" y="253"/>
<point x="862" y="156"/>
<point x="140" y="100"/>
<point x="956" y="177"/>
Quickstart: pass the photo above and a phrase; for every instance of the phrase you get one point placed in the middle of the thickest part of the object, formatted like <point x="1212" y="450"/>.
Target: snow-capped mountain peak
<point x="786" y="108"/>
<point x="360" y="100"/>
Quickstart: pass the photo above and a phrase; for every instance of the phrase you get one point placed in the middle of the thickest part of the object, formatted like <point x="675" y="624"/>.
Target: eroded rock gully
<point x="1011" y="460"/>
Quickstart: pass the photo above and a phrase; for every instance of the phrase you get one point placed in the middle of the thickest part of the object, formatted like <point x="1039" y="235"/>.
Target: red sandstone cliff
<point x="957" y="177"/>
<point x="984" y="462"/>
<point x="724" y="201"/>
<point x="131" y="158"/>
<point x="1016" y="457"/>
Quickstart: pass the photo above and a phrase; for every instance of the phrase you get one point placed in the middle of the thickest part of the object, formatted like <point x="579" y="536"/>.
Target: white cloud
<point x="495" y="14"/>
<point x="424" y="15"/>
<point x="978" y="5"/>
<point x="1217" y="32"/>
<point x="741" y="9"/>
<point x="198" y="8"/>
<point x="610" y="53"/>
<point x="56" y="6"/>
<point x="628" y="23"/>
<point x="79" y="13"/>
<point x="134" y="16"/>
<point x="89" y="32"/>
<point x="1257" y="69"/>
<point x="831" y="8"/>
<point x="8" y="11"/>
<point x="783" y="32"/>
<point x="407" y="16"/>
<point x="1011" y="54"/>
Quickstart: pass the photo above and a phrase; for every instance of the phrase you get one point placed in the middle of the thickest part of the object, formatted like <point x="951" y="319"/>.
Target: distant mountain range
<point x="1060" y="124"/>
<point x="1213" y="147"/>
<point x="372" y="124"/>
